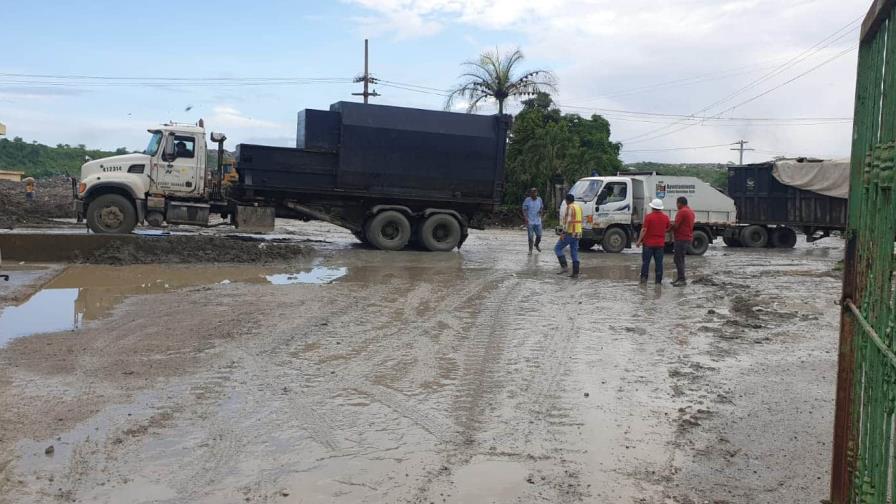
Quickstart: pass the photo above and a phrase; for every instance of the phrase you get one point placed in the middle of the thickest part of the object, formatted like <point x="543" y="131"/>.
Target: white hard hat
<point x="656" y="204"/>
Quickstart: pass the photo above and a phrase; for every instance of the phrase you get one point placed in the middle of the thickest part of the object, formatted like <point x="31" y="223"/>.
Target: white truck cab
<point x="165" y="182"/>
<point x="613" y="208"/>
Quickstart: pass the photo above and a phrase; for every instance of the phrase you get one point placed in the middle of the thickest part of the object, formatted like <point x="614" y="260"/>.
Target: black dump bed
<point x="385" y="151"/>
<point x="761" y="198"/>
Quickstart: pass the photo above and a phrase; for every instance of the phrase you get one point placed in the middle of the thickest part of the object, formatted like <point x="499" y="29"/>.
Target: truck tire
<point x="440" y="233"/>
<point x="111" y="214"/>
<point x="754" y="236"/>
<point x="389" y="230"/>
<point x="614" y="241"/>
<point x="699" y="244"/>
<point x="783" y="237"/>
<point x="586" y="244"/>
<point x="732" y="242"/>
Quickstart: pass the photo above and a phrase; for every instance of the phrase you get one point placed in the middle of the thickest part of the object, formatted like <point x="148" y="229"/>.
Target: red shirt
<point x="656" y="223"/>
<point x="684" y="224"/>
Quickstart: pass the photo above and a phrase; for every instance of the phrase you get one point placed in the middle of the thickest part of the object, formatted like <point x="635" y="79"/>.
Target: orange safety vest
<point x="574" y="219"/>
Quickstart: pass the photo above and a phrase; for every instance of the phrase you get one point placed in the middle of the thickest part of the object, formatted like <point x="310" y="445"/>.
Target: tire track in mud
<point x="266" y="360"/>
<point x="259" y="365"/>
<point x="480" y="378"/>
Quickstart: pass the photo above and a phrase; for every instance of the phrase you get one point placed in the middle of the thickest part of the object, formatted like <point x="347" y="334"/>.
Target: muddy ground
<point x="471" y="376"/>
<point x="52" y="199"/>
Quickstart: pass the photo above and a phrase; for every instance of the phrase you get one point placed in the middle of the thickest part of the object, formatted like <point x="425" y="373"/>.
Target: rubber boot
<point x="530" y="247"/>
<point x="563" y="266"/>
<point x="575" y="269"/>
<point x="537" y="243"/>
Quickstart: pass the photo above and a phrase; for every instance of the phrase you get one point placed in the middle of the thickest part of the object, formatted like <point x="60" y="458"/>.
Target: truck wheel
<point x="783" y="238"/>
<point x="111" y="214"/>
<point x="389" y="230"/>
<point x="732" y="242"/>
<point x="699" y="244"/>
<point x="614" y="241"/>
<point x="155" y="219"/>
<point x="440" y="233"/>
<point x="586" y="244"/>
<point x="754" y="236"/>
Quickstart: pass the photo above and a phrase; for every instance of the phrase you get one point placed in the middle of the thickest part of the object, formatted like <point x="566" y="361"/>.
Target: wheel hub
<point x="390" y="231"/>
<point x="111" y="217"/>
<point x="440" y="233"/>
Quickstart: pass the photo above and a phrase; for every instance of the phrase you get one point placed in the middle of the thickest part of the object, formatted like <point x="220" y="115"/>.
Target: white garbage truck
<point x="614" y="207"/>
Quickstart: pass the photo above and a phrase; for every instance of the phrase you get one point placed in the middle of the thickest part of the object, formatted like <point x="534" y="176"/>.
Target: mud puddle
<point x="84" y="293"/>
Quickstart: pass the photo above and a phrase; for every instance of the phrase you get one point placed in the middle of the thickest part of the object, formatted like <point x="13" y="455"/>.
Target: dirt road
<point x="477" y="376"/>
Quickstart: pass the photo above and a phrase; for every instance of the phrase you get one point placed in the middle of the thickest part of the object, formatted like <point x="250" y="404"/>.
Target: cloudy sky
<point x="778" y="74"/>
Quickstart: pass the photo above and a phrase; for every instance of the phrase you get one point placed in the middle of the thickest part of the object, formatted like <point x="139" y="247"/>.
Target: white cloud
<point x="225" y="116"/>
<point x="602" y="47"/>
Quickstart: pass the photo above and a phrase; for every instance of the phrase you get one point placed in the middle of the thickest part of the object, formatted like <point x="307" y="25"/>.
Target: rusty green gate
<point x="864" y="458"/>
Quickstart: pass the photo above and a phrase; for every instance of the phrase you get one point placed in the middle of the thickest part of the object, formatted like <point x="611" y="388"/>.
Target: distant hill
<point x="714" y="174"/>
<point x="38" y="160"/>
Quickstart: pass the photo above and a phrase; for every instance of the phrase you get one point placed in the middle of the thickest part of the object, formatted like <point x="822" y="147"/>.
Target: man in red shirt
<point x="683" y="232"/>
<point x="653" y="237"/>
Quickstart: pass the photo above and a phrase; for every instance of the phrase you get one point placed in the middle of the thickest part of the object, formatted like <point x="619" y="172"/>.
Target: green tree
<point x="39" y="160"/>
<point x="546" y="145"/>
<point x="497" y="76"/>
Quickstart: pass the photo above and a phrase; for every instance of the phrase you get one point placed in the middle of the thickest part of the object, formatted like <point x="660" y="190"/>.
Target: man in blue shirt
<point x="533" y="209"/>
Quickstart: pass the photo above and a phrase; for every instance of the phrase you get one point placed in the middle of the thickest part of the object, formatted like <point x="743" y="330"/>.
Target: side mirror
<point x="168" y="152"/>
<point x="601" y="197"/>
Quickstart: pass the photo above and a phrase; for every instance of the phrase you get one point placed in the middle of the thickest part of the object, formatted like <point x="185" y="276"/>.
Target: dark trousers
<point x="681" y="249"/>
<point x="655" y="253"/>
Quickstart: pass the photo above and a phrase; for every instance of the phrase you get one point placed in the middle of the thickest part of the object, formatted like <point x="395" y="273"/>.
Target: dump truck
<point x="777" y="198"/>
<point x="390" y="175"/>
<point x="613" y="208"/>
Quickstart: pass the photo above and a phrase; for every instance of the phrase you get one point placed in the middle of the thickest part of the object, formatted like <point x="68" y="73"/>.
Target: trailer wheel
<point x="783" y="237"/>
<point x="732" y="242"/>
<point x="389" y="230"/>
<point x="440" y="233"/>
<point x="614" y="241"/>
<point x="754" y="236"/>
<point x="111" y="214"/>
<point x="699" y="243"/>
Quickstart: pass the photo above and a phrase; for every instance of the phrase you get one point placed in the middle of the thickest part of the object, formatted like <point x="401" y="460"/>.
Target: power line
<point x="678" y="148"/>
<point x="152" y="78"/>
<point x="686" y="126"/>
<point x="818" y="46"/>
<point x="706" y="118"/>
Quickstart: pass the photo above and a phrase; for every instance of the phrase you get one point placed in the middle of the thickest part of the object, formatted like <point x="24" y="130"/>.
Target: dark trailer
<point x="389" y="174"/>
<point x="775" y="198"/>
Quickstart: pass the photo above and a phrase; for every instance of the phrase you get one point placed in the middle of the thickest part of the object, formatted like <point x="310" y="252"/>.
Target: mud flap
<point x="252" y="219"/>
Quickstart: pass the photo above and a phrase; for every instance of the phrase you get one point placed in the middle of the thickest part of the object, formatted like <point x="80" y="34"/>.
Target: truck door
<point x="178" y="168"/>
<point x="614" y="204"/>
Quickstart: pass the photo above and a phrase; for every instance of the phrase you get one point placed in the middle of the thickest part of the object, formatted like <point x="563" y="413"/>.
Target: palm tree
<point x="495" y="76"/>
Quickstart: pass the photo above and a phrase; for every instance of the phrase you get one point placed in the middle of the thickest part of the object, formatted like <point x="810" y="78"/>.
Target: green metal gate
<point x="864" y="458"/>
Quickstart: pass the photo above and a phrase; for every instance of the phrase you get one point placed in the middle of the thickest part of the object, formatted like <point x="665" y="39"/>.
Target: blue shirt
<point x="533" y="209"/>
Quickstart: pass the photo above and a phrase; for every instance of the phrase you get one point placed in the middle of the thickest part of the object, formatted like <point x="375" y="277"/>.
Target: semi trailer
<point x="390" y="175"/>
<point x="613" y="208"/>
<point x="776" y="198"/>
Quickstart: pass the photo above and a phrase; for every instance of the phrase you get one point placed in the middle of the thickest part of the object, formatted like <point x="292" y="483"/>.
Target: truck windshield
<point x="585" y="190"/>
<point x="154" y="141"/>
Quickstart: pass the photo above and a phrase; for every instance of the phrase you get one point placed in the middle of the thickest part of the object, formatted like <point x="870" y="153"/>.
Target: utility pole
<point x="367" y="79"/>
<point x="741" y="149"/>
